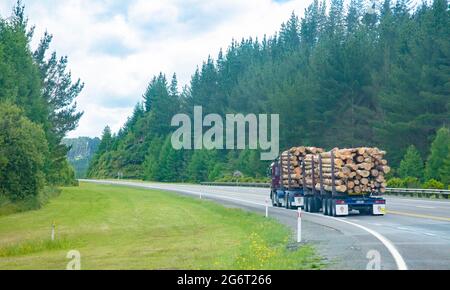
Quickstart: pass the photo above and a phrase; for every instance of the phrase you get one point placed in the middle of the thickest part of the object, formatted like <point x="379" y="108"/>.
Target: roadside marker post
<point x="53" y="231"/>
<point x="299" y="225"/>
<point x="267" y="208"/>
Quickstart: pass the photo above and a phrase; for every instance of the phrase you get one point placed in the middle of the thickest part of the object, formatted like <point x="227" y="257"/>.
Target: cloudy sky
<point x="116" y="46"/>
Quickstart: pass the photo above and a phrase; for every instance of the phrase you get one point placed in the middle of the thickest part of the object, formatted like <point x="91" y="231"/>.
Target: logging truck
<point x="336" y="182"/>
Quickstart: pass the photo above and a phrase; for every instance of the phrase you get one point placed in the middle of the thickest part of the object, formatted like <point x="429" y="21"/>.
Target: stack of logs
<point x="356" y="171"/>
<point x="291" y="166"/>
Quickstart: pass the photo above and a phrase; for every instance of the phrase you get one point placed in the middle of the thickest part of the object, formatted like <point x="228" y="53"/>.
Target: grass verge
<point x="128" y="228"/>
<point x="7" y="207"/>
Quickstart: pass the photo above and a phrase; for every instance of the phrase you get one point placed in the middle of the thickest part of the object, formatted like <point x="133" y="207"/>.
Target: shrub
<point x="433" y="184"/>
<point x="23" y="149"/>
<point x="395" y="183"/>
<point x="411" y="182"/>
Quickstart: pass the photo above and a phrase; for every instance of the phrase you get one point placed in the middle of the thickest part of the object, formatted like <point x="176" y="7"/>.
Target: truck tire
<point x="317" y="204"/>
<point x="272" y="197"/>
<point x="312" y="204"/>
<point x="333" y="208"/>
<point x="287" y="204"/>
<point x="329" y="201"/>
<point x="325" y="206"/>
<point x="307" y="203"/>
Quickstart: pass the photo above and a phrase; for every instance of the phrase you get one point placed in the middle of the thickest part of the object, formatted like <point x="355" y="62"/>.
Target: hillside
<point x="338" y="77"/>
<point x="82" y="150"/>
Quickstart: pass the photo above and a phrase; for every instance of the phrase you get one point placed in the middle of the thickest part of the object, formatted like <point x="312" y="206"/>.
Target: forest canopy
<point x="340" y="76"/>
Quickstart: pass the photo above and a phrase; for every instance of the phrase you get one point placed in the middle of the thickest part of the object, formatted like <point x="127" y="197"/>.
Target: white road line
<point x="427" y="207"/>
<point x="401" y="265"/>
<point x="429" y="234"/>
<point x="400" y="262"/>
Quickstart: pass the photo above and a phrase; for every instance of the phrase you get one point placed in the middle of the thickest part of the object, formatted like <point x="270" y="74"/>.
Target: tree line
<point x="340" y="76"/>
<point x="37" y="109"/>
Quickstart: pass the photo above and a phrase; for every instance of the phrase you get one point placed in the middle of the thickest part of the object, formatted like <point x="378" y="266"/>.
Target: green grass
<point x="127" y="228"/>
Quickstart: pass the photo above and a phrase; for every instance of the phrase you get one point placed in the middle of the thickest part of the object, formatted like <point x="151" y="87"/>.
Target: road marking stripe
<point x="427" y="207"/>
<point x="418" y="215"/>
<point x="399" y="261"/>
<point x="430" y="234"/>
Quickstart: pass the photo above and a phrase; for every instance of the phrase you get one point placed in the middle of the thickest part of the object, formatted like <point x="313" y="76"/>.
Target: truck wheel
<point x="316" y="204"/>
<point x="274" y="203"/>
<point x="329" y="201"/>
<point x="325" y="206"/>
<point x="287" y="205"/>
<point x="333" y="208"/>
<point x="278" y="201"/>
<point x="307" y="203"/>
<point x="312" y="204"/>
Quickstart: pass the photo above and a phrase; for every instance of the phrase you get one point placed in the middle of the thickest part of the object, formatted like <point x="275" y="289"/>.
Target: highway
<point x="415" y="234"/>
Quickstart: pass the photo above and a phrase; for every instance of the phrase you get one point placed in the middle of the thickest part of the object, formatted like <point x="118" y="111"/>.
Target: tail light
<point x="380" y="201"/>
<point x="340" y="201"/>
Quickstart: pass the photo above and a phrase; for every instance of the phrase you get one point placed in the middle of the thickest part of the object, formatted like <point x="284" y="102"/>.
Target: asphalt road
<point x="415" y="234"/>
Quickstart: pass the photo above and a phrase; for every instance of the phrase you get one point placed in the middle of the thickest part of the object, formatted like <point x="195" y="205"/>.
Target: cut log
<point x="363" y="173"/>
<point x="359" y="170"/>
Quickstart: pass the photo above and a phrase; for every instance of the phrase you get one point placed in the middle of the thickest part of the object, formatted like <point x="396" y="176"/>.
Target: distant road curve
<point x="414" y="235"/>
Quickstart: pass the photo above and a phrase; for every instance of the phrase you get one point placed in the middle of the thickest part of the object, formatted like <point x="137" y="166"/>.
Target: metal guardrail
<point x="418" y="191"/>
<point x="390" y="191"/>
<point x="238" y="184"/>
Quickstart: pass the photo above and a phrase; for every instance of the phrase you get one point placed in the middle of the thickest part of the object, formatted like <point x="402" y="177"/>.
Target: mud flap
<point x="379" y="209"/>
<point x="341" y="209"/>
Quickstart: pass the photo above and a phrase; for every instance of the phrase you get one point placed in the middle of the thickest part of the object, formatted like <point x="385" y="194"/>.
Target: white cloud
<point x="116" y="46"/>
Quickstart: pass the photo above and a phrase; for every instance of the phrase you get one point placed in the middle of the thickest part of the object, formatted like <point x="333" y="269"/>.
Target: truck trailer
<point x="315" y="197"/>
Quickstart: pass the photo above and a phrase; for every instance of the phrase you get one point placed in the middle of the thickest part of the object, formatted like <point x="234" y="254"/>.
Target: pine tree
<point x="289" y="34"/>
<point x="151" y="165"/>
<point x="161" y="105"/>
<point x="106" y="142"/>
<point x="354" y="15"/>
<point x="438" y="154"/>
<point x="169" y="162"/>
<point x="444" y="171"/>
<point x="198" y="167"/>
<point x="59" y="90"/>
<point x="412" y="164"/>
